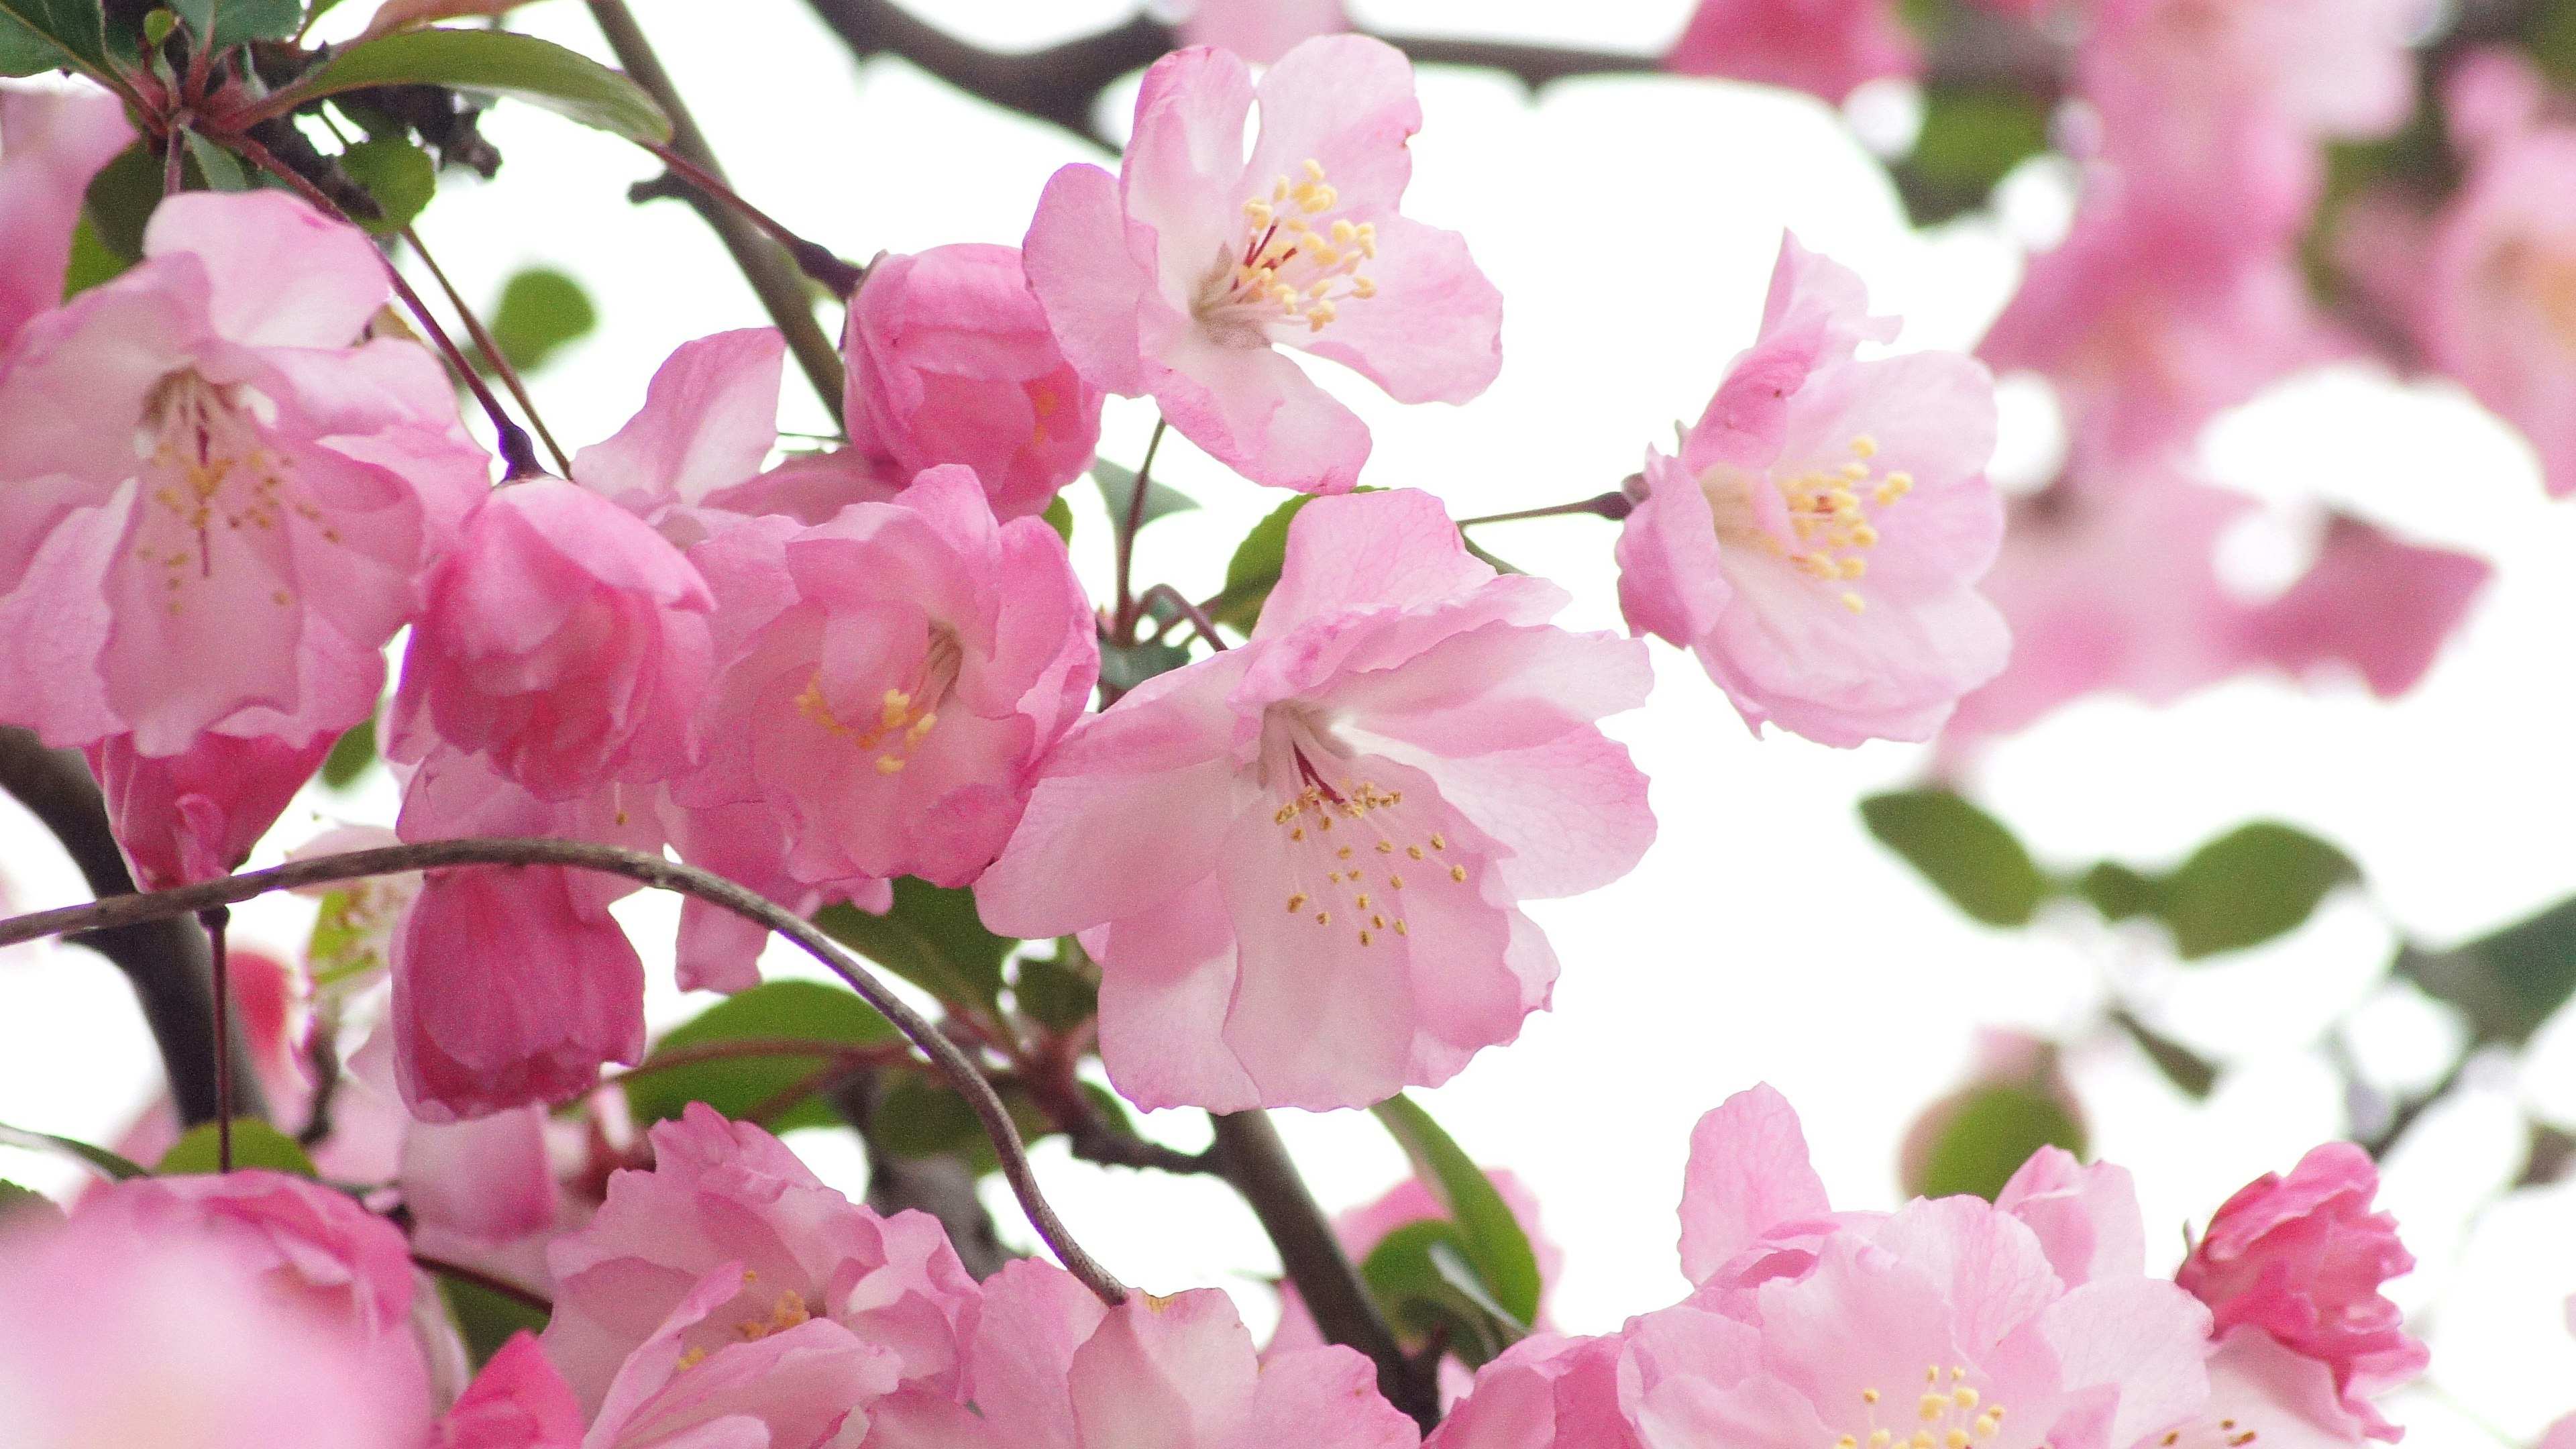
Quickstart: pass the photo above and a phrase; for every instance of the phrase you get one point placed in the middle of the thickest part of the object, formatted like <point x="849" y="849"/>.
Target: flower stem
<point x="1612" y="505"/>
<point x="491" y="351"/>
<point x="216" y="919"/>
<point x="1123" y="623"/>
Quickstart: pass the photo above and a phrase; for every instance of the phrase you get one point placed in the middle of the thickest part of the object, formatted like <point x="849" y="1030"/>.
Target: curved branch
<point x="654" y="871"/>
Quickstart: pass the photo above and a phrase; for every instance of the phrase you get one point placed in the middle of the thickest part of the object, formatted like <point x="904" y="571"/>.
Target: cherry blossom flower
<point x="564" y="639"/>
<point x="1299" y="862"/>
<point x="240" y="567"/>
<point x="892" y="707"/>
<point x="731" y="1232"/>
<point x="1818" y="541"/>
<point x="1052" y="1365"/>
<point x="1823" y="47"/>
<point x="2302" y="1259"/>
<point x="950" y="361"/>
<point x="1182" y="276"/>
<point x="195" y="815"/>
<point x="51" y="143"/>
<point x="2500" y="304"/>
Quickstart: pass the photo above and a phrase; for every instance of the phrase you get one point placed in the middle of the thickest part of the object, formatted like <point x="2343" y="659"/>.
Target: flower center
<point x="1299" y="263"/>
<point x="1823" y="522"/>
<point x="905" y="716"/>
<point x="1354" y="832"/>
<point x="206" y="467"/>
<point x="1944" y="1418"/>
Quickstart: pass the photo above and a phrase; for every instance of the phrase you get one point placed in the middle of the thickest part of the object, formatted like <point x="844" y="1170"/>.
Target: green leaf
<point x="1971" y="136"/>
<point x="398" y="174"/>
<point x="106" y="1163"/>
<point x="829" y="1016"/>
<point x="238" y="22"/>
<point x="1124" y="666"/>
<point x="1060" y="991"/>
<point x="350" y="755"/>
<point x="91" y="261"/>
<point x="1422" y="1280"/>
<point x="486" y="1319"/>
<point x="120" y="200"/>
<point x="1961" y="849"/>
<point x="919" y="1119"/>
<point x="1254" y="570"/>
<point x="1118" y="490"/>
<point x="2120" y="893"/>
<point x="1479" y="552"/>
<point x="23" y="1206"/>
<point x="1059" y="516"/>
<point x="541" y="309"/>
<point x="2507" y="983"/>
<point x="1487" y="1232"/>
<point x="2248" y="886"/>
<point x="255" y="1144"/>
<point x="1990" y="1134"/>
<point x="43" y="35"/>
<point x="2185" y="1068"/>
<point x="931" y="938"/>
<point x="497" y="62"/>
<point x="221" y="170"/>
<point x="2549" y="30"/>
<point x="157" y="25"/>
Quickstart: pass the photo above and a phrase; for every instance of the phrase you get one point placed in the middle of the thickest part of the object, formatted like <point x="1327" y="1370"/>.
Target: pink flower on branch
<point x="218" y="501"/>
<point x="1299" y="862"/>
<point x="51" y="143"/>
<point x="1182" y="276"/>
<point x="1826" y="48"/>
<point x="195" y="815"/>
<point x="1818" y="541"/>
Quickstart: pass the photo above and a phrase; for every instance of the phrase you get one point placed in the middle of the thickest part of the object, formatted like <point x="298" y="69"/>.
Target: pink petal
<point x="1748" y="1172"/>
<point x="709" y="419"/>
<point x="1085" y="277"/>
<point x="1396" y="549"/>
<point x="283" y="274"/>
<point x="1433" y="332"/>
<point x="1164" y="1373"/>
<point x="1258" y="413"/>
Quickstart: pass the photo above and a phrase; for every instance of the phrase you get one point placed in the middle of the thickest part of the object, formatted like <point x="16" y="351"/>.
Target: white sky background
<point x="1631" y="224"/>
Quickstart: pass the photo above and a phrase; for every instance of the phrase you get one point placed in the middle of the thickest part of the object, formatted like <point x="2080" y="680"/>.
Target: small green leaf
<point x="107" y="1164"/>
<point x="120" y="199"/>
<point x="1422" y="1281"/>
<point x="157" y="26"/>
<point x="43" y="35"/>
<point x="1962" y="850"/>
<point x="23" y="1206"/>
<point x="1971" y="136"/>
<point x="486" y="1319"/>
<point x="220" y="168"/>
<point x="1990" y="1133"/>
<point x="541" y="309"/>
<point x="1488" y="1233"/>
<point x="2120" y="893"/>
<point x="91" y="261"/>
<point x="497" y="62"/>
<point x="784" y="1011"/>
<point x="931" y="938"/>
<point x="1059" y="516"/>
<point x="2185" y="1068"/>
<point x="918" y="1119"/>
<point x="1479" y="552"/>
<point x="2507" y="983"/>
<point x="238" y="22"/>
<point x="398" y="174"/>
<point x="2248" y="886"/>
<point x="1254" y="570"/>
<point x="1124" y="666"/>
<point x="255" y="1144"/>
<point x="2549" y="30"/>
<point x="350" y="755"/>
<point x="1060" y="991"/>
<point x="1118" y="490"/>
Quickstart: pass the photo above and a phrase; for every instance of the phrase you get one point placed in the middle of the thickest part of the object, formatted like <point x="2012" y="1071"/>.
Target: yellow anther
<point x="889" y="764"/>
<point x="1922" y="1439"/>
<point x="1364" y="938"/>
<point x="692" y="1359"/>
<point x="1296" y="903"/>
<point x="1933" y="1406"/>
<point x="1395" y="882"/>
<point x="1439" y="842"/>
<point x="1364" y="287"/>
<point x="1399" y="928"/>
<point x="1965" y="1398"/>
<point x="1865" y="446"/>
<point x="1987" y="1425"/>
<point x="897" y="705"/>
<point x="1258" y="210"/>
<point x="1342" y="854"/>
<point x="1297" y="834"/>
<point x="1386" y="847"/>
<point x="1279" y="190"/>
<point x="1345" y="234"/>
<point x="1318" y="315"/>
<point x="1323" y="918"/>
<point x="1855" y="603"/>
<point x="1869" y="1396"/>
<point x="1901" y="483"/>
<point x="1847" y="1442"/>
<point x="1955" y="1439"/>
<point x="930" y="721"/>
<point x="1864" y="537"/>
<point x="1362" y="902"/>
<point x="1458" y="872"/>
<point x="1324" y="824"/>
<point x="1853" y="567"/>
<point x="1377" y="921"/>
<point x="1414" y="850"/>
<point x="1283" y="814"/>
<point x="1878" y="1439"/>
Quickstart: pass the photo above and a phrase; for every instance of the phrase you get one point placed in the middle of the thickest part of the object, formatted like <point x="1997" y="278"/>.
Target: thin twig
<point x="1123" y="622"/>
<point x="654" y="871"/>
<point x="487" y="1282"/>
<point x="817" y="261"/>
<point x="1197" y="616"/>
<point x="1613" y="505"/>
<point x="762" y="263"/>
<point x="218" y="923"/>
<point x="491" y="350"/>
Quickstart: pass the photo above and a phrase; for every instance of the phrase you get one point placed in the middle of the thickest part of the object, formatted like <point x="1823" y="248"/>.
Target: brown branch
<point x="654" y="871"/>
<point x="1532" y="65"/>
<point x="1251" y="1157"/>
<point x="164" y="960"/>
<point x="488" y="1282"/>
<point x="762" y="262"/>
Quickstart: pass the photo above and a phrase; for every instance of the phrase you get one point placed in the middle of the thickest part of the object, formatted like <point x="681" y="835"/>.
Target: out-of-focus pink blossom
<point x="1052" y="1366"/>
<point x="114" y="1332"/>
<point x="950" y="361"/>
<point x="217" y="508"/>
<point x="1823" y="47"/>
<point x="2501" y="298"/>
<point x="310" y="1244"/>
<point x="1818" y="542"/>
<point x="2491" y="96"/>
<point x="730" y="1221"/>
<point x="2302" y="1258"/>
<point x="195" y="815"/>
<point x="518" y="1401"/>
<point x="1261" y="31"/>
<point x="51" y="143"/>
<point x="1183" y="276"/>
<point x="891" y="712"/>
<point x="1299" y="862"/>
<point x="563" y="639"/>
<point x="2370" y="601"/>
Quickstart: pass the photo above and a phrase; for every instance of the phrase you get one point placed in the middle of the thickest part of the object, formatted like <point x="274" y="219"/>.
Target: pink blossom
<point x="1818" y="541"/>
<point x="730" y="1221"/>
<point x="1182" y="276"/>
<point x="2501" y="304"/>
<point x="518" y="1401"/>
<point x="891" y="712"/>
<point x="141" y="1337"/>
<point x="2176" y="74"/>
<point x="2370" y="601"/>
<point x="1403" y="718"/>
<point x="51" y="143"/>
<point x="1544" y="1391"/>
<point x="709" y="419"/>
<point x="1053" y="1367"/>
<point x="241" y="567"/>
<point x="565" y="640"/>
<point x="951" y="362"/>
<point x="195" y="815"/>
<point x="2302" y="1258"/>
<point x="797" y="1383"/>
<point x="2086" y="1217"/>
<point x="312" y="1245"/>
<point x="1261" y="31"/>
<point x="2560" y="1435"/>
<point x="1823" y="47"/>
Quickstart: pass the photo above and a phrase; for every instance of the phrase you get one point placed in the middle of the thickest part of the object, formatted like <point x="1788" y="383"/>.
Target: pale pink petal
<point x="1091" y="286"/>
<point x="51" y="143"/>
<point x="1258" y="413"/>
<point x="1748" y="1173"/>
<point x="283" y="275"/>
<point x="518" y="1401"/>
<point x="709" y="419"/>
